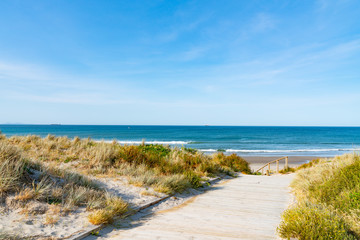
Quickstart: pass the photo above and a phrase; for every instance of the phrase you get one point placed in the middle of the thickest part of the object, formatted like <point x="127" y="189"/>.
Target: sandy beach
<point x="78" y="175"/>
<point x="14" y="221"/>
<point x="258" y="161"/>
<point x="67" y="225"/>
<point x="179" y="119"/>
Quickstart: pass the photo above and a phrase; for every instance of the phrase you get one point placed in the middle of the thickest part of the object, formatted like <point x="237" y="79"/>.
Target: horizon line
<point x="179" y="125"/>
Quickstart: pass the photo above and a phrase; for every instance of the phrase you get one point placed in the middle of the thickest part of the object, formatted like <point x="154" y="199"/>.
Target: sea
<point x="242" y="140"/>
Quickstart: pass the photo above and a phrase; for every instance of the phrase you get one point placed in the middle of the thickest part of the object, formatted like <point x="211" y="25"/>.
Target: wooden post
<point x="262" y="171"/>
<point x="269" y="169"/>
<point x="286" y="162"/>
<point x="277" y="166"/>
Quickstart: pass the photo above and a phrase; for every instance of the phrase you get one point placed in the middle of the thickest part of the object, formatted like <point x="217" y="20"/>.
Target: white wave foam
<point x="208" y="150"/>
<point x="285" y="151"/>
<point x="152" y="142"/>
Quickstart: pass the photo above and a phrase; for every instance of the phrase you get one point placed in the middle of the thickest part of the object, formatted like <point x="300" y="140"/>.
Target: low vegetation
<point x="163" y="168"/>
<point x="35" y="173"/>
<point x="287" y="170"/>
<point x="114" y="206"/>
<point x="37" y="189"/>
<point x="328" y="200"/>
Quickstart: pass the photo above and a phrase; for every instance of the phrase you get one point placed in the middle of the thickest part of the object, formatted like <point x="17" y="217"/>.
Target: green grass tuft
<point x="328" y="200"/>
<point x="310" y="221"/>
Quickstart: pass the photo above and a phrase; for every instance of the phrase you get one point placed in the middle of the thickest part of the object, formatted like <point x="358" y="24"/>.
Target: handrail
<point x="277" y="165"/>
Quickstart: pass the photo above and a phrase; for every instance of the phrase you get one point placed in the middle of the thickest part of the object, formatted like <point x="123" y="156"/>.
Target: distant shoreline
<point x="261" y="141"/>
<point x="294" y="161"/>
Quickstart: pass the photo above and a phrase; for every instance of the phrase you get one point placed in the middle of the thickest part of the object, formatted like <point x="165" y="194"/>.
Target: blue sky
<point x="180" y="62"/>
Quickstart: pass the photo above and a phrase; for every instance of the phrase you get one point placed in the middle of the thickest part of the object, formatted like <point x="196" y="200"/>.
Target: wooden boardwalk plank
<point x="248" y="207"/>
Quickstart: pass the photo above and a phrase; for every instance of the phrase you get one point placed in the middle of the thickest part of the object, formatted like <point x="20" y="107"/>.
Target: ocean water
<point x="259" y="141"/>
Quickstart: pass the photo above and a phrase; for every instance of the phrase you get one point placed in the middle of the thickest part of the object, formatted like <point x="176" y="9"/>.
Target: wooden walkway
<point x="248" y="207"/>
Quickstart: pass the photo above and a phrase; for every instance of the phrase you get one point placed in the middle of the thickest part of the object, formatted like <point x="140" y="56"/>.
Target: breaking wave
<point x="281" y="151"/>
<point x="152" y="142"/>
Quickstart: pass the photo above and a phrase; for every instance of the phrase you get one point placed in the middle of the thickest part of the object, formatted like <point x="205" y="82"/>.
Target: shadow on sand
<point x="142" y="217"/>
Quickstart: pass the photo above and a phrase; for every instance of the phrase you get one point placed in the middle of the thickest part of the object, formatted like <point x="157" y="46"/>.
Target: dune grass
<point x="114" y="207"/>
<point x="35" y="175"/>
<point x="163" y="168"/>
<point x="328" y="200"/>
<point x="38" y="189"/>
<point x="11" y="168"/>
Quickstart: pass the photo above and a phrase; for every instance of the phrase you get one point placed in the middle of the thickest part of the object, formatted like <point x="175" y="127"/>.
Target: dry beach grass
<point x="55" y="176"/>
<point x="161" y="167"/>
<point x="328" y="200"/>
<point x="37" y="189"/>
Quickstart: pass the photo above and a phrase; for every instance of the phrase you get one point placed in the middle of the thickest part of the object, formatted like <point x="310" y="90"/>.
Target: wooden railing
<point x="277" y="165"/>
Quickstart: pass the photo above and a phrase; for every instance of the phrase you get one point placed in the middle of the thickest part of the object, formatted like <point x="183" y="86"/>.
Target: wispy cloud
<point x="297" y="66"/>
<point x="324" y="5"/>
<point x="12" y="71"/>
<point x="36" y="83"/>
<point x="174" y="32"/>
<point x="84" y="98"/>
<point x="192" y="54"/>
<point x="263" y="22"/>
<point x="260" y="23"/>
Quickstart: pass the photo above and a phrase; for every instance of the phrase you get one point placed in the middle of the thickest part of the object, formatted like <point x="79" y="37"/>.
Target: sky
<point x="290" y="62"/>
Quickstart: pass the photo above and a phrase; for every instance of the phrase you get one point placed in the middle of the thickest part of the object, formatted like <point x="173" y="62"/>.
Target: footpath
<point x="247" y="207"/>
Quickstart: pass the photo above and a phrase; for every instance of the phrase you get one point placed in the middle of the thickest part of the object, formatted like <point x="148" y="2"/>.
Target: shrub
<point x="194" y="180"/>
<point x="233" y="161"/>
<point x="190" y="150"/>
<point x="158" y="163"/>
<point x="159" y="150"/>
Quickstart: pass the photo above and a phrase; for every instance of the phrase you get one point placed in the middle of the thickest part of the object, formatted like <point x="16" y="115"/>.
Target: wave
<point x="152" y="142"/>
<point x="236" y="150"/>
<point x="208" y="150"/>
<point x="281" y="151"/>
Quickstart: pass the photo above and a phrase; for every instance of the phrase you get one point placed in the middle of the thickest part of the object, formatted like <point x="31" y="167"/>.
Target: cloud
<point x="36" y="83"/>
<point x="290" y="67"/>
<point x="192" y="54"/>
<point x="13" y="71"/>
<point x="68" y="98"/>
<point x="260" y="23"/>
<point x="324" y="5"/>
<point x="176" y="31"/>
<point x="263" y="22"/>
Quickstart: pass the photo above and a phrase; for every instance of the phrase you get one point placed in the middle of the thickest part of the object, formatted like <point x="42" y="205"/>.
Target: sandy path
<point x="248" y="207"/>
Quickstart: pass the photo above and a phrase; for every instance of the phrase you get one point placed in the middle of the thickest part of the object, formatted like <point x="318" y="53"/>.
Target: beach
<point x="179" y="119"/>
<point x="242" y="140"/>
<point x="257" y="162"/>
<point x="138" y="172"/>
